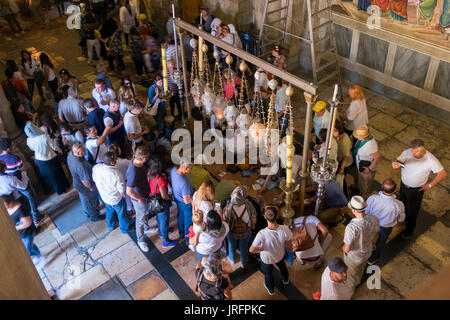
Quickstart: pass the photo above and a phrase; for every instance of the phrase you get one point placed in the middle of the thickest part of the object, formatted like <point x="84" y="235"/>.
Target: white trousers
<point x="91" y="44"/>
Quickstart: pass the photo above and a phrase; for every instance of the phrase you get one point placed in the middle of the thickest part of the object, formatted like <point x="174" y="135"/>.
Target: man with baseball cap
<point x="334" y="285"/>
<point x="360" y="237"/>
<point x="321" y="117"/>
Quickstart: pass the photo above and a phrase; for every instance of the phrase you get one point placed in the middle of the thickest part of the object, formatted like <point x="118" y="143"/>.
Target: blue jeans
<point x="159" y="118"/>
<point x="121" y="210"/>
<point x="199" y="255"/>
<point x="163" y="223"/>
<point x="28" y="193"/>
<point x="32" y="249"/>
<point x="242" y="244"/>
<point x="184" y="218"/>
<point x="381" y="241"/>
<point x="89" y="203"/>
<point x="267" y="270"/>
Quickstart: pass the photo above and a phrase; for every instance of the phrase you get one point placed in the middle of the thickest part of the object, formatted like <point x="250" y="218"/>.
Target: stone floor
<point x="79" y="262"/>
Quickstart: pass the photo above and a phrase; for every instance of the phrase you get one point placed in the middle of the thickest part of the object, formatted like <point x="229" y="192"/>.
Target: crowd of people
<point x="115" y="159"/>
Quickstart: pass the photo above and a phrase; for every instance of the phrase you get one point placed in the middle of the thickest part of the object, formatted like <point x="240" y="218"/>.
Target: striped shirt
<point x="171" y="84"/>
<point x="13" y="164"/>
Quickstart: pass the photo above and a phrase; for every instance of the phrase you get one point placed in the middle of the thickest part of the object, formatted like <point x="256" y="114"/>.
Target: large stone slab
<point x="405" y="273"/>
<point x="432" y="143"/>
<point x="54" y="268"/>
<point x="391" y="148"/>
<point x="386" y="105"/>
<point x="433" y="247"/>
<point x="43" y="238"/>
<point x="122" y="259"/>
<point x="83" y="284"/>
<point x="386" y="123"/>
<point x="378" y="135"/>
<point x="385" y="170"/>
<point x="136" y="272"/>
<point x="83" y="236"/>
<point x="253" y="289"/>
<point x="111" y="242"/>
<point x="384" y="293"/>
<point x="436" y="201"/>
<point x="99" y="228"/>
<point x="166" y="295"/>
<point x="148" y="287"/>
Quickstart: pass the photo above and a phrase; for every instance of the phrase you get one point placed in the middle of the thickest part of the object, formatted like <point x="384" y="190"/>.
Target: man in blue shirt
<point x="154" y="96"/>
<point x="389" y="212"/>
<point x="95" y="115"/>
<point x="182" y="191"/>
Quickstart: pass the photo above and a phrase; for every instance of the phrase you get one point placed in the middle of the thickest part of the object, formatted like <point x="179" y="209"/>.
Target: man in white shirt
<point x="281" y="100"/>
<point x="334" y="285"/>
<point x="102" y="94"/>
<point x="71" y="109"/>
<point x="95" y="145"/>
<point x="359" y="240"/>
<point x="133" y="126"/>
<point x="389" y="212"/>
<point x="417" y="163"/>
<point x="111" y="187"/>
<point x="271" y="242"/>
<point x="367" y="158"/>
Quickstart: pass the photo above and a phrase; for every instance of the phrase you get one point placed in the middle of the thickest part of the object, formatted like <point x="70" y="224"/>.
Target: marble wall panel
<point x="372" y="52"/>
<point x="442" y="82"/>
<point x="343" y="40"/>
<point x="411" y="66"/>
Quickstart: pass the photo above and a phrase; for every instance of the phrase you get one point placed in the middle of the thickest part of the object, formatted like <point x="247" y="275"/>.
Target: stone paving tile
<point x="50" y="249"/>
<point x="184" y="266"/>
<point x="83" y="284"/>
<point x="111" y="242"/>
<point x="371" y="112"/>
<point x="148" y="287"/>
<point x="122" y="259"/>
<point x="412" y="132"/>
<point x="391" y="148"/>
<point x="66" y="242"/>
<point x="379" y="136"/>
<point x="385" y="105"/>
<point x="166" y="295"/>
<point x="412" y="275"/>
<point x="433" y="247"/>
<point x="386" y="124"/>
<point x="253" y="289"/>
<point x="83" y="236"/>
<point x="446" y="163"/>
<point x="99" y="228"/>
<point x="436" y="207"/>
<point x="46" y="283"/>
<point x="44" y="238"/>
<point x="54" y="268"/>
<point x="136" y="272"/>
<point x="384" y="293"/>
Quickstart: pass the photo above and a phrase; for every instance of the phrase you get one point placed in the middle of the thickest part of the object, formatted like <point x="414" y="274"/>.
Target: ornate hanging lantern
<point x="272" y="117"/>
<point x="231" y="113"/>
<point x="219" y="107"/>
<point x="196" y="84"/>
<point x="208" y="99"/>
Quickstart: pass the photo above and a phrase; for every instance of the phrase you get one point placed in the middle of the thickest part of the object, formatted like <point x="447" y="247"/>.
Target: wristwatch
<point x="430" y="185"/>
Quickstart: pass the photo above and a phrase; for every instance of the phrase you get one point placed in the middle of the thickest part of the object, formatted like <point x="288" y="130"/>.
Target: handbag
<point x="363" y="164"/>
<point x="151" y="110"/>
<point x="155" y="203"/>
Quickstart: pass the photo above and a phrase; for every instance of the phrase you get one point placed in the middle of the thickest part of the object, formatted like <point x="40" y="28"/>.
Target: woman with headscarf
<point x="46" y="154"/>
<point x="237" y="40"/>
<point x="216" y="22"/>
<point x="241" y="216"/>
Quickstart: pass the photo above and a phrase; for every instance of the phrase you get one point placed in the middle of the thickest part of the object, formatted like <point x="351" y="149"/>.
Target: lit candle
<point x="335" y="92"/>
<point x="164" y="69"/>
<point x="200" y="53"/>
<point x="289" y="154"/>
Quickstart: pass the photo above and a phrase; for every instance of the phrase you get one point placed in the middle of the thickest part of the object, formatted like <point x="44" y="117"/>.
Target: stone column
<point x="8" y="126"/>
<point x="19" y="279"/>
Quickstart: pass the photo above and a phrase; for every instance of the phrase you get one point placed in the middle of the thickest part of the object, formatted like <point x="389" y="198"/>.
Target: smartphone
<point x="401" y="164"/>
<point x="217" y="206"/>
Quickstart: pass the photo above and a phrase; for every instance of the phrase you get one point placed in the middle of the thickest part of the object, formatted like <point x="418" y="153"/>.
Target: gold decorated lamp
<point x="288" y="185"/>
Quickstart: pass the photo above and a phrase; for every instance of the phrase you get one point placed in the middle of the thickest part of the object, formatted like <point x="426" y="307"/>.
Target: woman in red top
<point x="159" y="184"/>
<point x="230" y="81"/>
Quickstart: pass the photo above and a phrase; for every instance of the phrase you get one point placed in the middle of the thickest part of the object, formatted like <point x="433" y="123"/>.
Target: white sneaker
<point x="151" y="230"/>
<point x="143" y="246"/>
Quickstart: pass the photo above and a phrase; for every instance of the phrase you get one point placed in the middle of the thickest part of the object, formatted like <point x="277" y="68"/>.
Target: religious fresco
<point x="424" y="20"/>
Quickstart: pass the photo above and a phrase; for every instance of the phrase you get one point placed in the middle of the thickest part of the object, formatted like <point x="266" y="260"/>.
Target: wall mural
<point x="425" y="20"/>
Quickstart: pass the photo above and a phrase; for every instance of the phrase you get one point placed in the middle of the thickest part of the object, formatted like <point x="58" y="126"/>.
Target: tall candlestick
<point x="200" y="55"/>
<point x="335" y="92"/>
<point x="289" y="154"/>
<point x="164" y="69"/>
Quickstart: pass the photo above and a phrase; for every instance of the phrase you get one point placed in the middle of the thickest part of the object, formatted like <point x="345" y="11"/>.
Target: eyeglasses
<point x="126" y="83"/>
